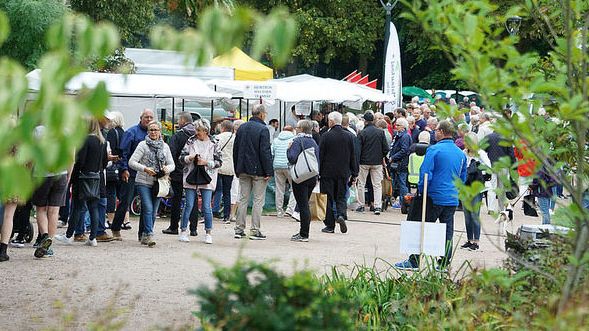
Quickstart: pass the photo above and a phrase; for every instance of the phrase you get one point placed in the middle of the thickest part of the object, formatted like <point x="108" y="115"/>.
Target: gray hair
<point x="336" y="117"/>
<point x="403" y="122"/>
<point x="227" y="126"/>
<point x="118" y="120"/>
<point x="474" y="119"/>
<point x="202" y="124"/>
<point x="315" y="125"/>
<point x="258" y="109"/>
<point x="306" y="126"/>
<point x="158" y="123"/>
<point x="432" y="121"/>
<point x="486" y="116"/>
<point x="185" y="116"/>
<point x="237" y="124"/>
<point x="410" y="119"/>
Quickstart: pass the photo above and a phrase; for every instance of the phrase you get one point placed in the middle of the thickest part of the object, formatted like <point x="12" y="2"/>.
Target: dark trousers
<point x="446" y="215"/>
<point x="22" y="217"/>
<point x="176" y="210"/>
<point x="127" y="194"/>
<point x="335" y="188"/>
<point x="302" y="193"/>
<point x="64" y="211"/>
<point x="113" y="192"/>
<point x="76" y="216"/>
<point x="226" y="182"/>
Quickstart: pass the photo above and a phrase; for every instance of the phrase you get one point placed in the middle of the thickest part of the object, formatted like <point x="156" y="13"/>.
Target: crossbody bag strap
<point x="227" y="142"/>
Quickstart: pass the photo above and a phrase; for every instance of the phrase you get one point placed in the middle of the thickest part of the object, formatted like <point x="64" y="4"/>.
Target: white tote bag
<point x="306" y="167"/>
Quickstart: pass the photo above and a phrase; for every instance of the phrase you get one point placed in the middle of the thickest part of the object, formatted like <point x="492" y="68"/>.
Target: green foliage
<point x="133" y="18"/>
<point x="253" y="296"/>
<point x="219" y="31"/>
<point x="29" y="21"/>
<point x="70" y="43"/>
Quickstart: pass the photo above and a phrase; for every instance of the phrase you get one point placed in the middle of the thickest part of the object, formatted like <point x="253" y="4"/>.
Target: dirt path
<point x="148" y="287"/>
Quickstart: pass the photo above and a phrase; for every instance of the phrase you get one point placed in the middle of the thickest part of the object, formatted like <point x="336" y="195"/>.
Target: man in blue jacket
<point x="444" y="162"/>
<point x="252" y="160"/>
<point x="131" y="138"/>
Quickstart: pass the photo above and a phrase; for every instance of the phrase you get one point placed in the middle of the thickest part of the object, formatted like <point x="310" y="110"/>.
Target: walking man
<point x="337" y="168"/>
<point x="252" y="160"/>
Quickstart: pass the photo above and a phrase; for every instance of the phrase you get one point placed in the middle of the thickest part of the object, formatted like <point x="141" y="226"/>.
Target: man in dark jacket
<point x="177" y="142"/>
<point x="497" y="149"/>
<point x="399" y="158"/>
<point x="373" y="149"/>
<point x="131" y="139"/>
<point x="252" y="160"/>
<point x="337" y="167"/>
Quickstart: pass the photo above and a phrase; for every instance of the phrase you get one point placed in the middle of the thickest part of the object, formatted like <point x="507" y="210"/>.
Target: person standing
<point x="302" y="191"/>
<point x="132" y="137"/>
<point x="225" y="141"/>
<point x="151" y="160"/>
<point x="273" y="126"/>
<point x="281" y="173"/>
<point x="373" y="149"/>
<point x="399" y="159"/>
<point x="443" y="163"/>
<point x="337" y="168"/>
<point x="113" y="180"/>
<point x="203" y="151"/>
<point x="541" y="188"/>
<point x="177" y="142"/>
<point x="252" y="161"/>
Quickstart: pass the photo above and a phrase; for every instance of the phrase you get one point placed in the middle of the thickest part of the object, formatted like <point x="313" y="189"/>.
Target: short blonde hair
<point x="118" y="120"/>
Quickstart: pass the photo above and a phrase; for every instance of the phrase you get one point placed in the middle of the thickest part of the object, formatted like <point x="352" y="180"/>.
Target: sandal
<point x="126" y="226"/>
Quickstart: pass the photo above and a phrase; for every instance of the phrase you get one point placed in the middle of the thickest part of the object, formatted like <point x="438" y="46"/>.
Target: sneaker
<point x="360" y="209"/>
<point x="193" y="233"/>
<point x="296" y="216"/>
<point x="239" y="235"/>
<point x="104" y="238"/>
<point x="92" y="243"/>
<point x="342" y="224"/>
<point x="62" y="238"/>
<point x="257" y="236"/>
<point x="50" y="252"/>
<point x="377" y="211"/>
<point x="43" y="247"/>
<point x="80" y="238"/>
<point x="218" y="215"/>
<point x="298" y="237"/>
<point x="37" y="243"/>
<point x="208" y="239"/>
<point x="17" y="243"/>
<point x="466" y="245"/>
<point x="280" y="214"/>
<point x="170" y="231"/>
<point x="184" y="237"/>
<point x="474" y="247"/>
<point x="226" y="221"/>
<point x="327" y="230"/>
<point x="396" y="205"/>
<point x="126" y="226"/>
<point x="372" y="209"/>
<point x="61" y="224"/>
<point x="148" y="241"/>
<point x="405" y="265"/>
<point x="441" y="268"/>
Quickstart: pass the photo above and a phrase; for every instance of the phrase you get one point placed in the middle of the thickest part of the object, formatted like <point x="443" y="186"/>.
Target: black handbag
<point x="198" y="176"/>
<point x="88" y="185"/>
<point x="514" y="191"/>
<point x="416" y="207"/>
<point x="530" y="206"/>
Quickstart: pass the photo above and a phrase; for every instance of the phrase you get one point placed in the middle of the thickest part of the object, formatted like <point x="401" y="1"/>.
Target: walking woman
<point x="472" y="217"/>
<point x="302" y="191"/>
<point x="202" y="151"/>
<point x="86" y="170"/>
<point x="113" y="183"/>
<point x="152" y="160"/>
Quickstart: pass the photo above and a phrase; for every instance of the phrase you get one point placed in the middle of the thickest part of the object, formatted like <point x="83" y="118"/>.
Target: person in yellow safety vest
<point x="416" y="157"/>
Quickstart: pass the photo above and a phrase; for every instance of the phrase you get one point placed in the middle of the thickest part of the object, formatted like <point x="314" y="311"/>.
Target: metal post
<point x="247" y="109"/>
<point x="240" y="114"/>
<point x="281" y="124"/>
<point x="173" y="115"/>
<point x="388" y="7"/>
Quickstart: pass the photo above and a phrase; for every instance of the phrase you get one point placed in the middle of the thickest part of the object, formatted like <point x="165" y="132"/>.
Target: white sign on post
<point x="434" y="239"/>
<point x="261" y="90"/>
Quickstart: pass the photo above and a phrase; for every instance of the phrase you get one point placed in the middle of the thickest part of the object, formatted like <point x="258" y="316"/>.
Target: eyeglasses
<point x="153" y="130"/>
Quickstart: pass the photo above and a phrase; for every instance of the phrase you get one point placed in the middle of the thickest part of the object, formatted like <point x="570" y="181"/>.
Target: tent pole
<point x="247" y="109"/>
<point x="212" y="108"/>
<point x="240" y="114"/>
<point x="182" y="104"/>
<point x="173" y="115"/>
<point x="281" y="124"/>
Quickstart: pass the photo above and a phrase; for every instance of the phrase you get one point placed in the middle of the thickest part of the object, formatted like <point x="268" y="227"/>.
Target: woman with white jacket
<point x="152" y="160"/>
<point x="203" y="151"/>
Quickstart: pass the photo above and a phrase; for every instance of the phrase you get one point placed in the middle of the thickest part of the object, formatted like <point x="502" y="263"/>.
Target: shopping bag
<point x="318" y="206"/>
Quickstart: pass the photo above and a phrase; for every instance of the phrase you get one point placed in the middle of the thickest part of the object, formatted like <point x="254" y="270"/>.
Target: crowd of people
<point x="214" y="172"/>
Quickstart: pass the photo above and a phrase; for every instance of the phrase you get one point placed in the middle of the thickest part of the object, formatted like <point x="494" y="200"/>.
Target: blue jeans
<point x="553" y="198"/>
<point x="472" y="219"/>
<point x="76" y="217"/>
<point x="544" y="205"/>
<point x="403" y="190"/>
<point x="586" y="199"/>
<point x="218" y="195"/>
<point x="191" y="198"/>
<point x="101" y="216"/>
<point x="149" y="206"/>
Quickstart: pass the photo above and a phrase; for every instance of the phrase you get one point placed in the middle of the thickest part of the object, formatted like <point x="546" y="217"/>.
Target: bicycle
<point x="164" y="208"/>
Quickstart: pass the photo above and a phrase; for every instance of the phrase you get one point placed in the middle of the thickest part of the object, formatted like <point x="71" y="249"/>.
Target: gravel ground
<point x="147" y="288"/>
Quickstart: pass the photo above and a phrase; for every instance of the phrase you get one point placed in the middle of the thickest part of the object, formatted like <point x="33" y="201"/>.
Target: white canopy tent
<point x="132" y="93"/>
